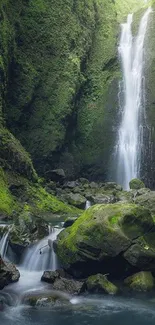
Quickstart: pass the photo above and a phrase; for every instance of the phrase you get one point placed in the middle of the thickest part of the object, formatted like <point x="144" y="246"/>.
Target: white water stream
<point x="38" y="258"/>
<point x="130" y="134"/>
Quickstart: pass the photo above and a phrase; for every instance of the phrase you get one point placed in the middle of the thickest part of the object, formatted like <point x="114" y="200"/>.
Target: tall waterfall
<point x="130" y="134"/>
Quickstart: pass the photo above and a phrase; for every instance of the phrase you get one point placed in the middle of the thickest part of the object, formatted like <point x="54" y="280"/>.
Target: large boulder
<point x="99" y="284"/>
<point x="97" y="240"/>
<point x="141" y="281"/>
<point x="8" y="273"/>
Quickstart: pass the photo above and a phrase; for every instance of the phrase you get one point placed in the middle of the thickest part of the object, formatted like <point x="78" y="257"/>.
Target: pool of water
<point x="84" y="311"/>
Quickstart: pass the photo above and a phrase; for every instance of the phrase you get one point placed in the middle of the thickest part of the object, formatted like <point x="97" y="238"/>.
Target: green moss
<point x="14" y="157"/>
<point x="99" y="283"/>
<point x="43" y="202"/>
<point x="7" y="202"/>
<point x="136" y="184"/>
<point x="142" y="281"/>
<point x="124" y="7"/>
<point x="100" y="224"/>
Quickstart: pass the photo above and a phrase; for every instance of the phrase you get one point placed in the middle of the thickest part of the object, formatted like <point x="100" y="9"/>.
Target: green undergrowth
<point x="7" y="202"/>
<point x="24" y="199"/>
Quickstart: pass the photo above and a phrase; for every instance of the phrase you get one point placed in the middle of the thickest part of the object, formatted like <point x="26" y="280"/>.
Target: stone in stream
<point x="8" y="273"/>
<point x="99" y="284"/>
<point x="61" y="283"/>
<point x="141" y="281"/>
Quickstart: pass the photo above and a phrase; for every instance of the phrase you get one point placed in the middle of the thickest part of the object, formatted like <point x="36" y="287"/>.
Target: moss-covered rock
<point x="142" y="281"/>
<point x="99" y="284"/>
<point x="136" y="184"/>
<point x="101" y="235"/>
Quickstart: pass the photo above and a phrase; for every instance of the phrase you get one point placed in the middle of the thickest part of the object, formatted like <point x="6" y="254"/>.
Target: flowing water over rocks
<point x="130" y="135"/>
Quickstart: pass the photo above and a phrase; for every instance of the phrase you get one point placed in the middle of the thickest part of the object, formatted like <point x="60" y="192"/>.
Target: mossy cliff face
<point x="59" y="73"/>
<point x="62" y="50"/>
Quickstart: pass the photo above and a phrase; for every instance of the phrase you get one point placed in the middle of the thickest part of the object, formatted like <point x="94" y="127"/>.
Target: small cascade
<point x="4" y="244"/>
<point x="88" y="205"/>
<point x="41" y="256"/>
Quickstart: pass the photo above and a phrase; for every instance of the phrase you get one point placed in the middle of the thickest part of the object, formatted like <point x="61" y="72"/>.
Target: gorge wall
<point x="59" y="73"/>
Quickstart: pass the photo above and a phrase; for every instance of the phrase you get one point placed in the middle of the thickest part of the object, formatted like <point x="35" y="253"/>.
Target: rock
<point x="71" y="185"/>
<point x="83" y="180"/>
<point x="141" y="255"/>
<point x="61" y="283"/>
<point x="51" y="187"/>
<point x="147" y="200"/>
<point x="69" y="286"/>
<point x="45" y="299"/>
<point x="98" y="239"/>
<point x="69" y="222"/>
<point x="50" y="276"/>
<point x="125" y="196"/>
<point x="56" y="175"/>
<point x="112" y="186"/>
<point x="142" y="281"/>
<point x="103" y="199"/>
<point x="142" y="191"/>
<point x="8" y="274"/>
<point x="136" y="184"/>
<point x="99" y="284"/>
<point x="94" y="185"/>
<point x="76" y="200"/>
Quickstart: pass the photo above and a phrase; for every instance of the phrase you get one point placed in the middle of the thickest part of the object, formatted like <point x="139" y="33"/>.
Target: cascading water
<point x="88" y="205"/>
<point x="130" y="137"/>
<point x="4" y="241"/>
<point x="41" y="256"/>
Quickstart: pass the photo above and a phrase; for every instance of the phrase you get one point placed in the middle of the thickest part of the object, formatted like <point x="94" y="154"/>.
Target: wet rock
<point x="136" y="184"/>
<point x="61" y="283"/>
<point x="141" y="281"/>
<point x="8" y="273"/>
<point x="46" y="299"/>
<point x="99" y="284"/>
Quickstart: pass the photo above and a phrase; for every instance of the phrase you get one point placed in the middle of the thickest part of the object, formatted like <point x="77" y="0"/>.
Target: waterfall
<point x="41" y="256"/>
<point x="4" y="241"/>
<point x="88" y="205"/>
<point x="130" y="134"/>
